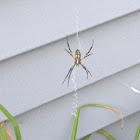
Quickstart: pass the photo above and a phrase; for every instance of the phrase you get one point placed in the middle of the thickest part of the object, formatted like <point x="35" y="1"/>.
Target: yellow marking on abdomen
<point x="77" y="62"/>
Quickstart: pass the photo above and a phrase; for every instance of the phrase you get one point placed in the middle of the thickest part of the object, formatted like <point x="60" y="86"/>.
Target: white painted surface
<point x="28" y="24"/>
<point x="127" y="133"/>
<point x="35" y="78"/>
<point x="54" y="120"/>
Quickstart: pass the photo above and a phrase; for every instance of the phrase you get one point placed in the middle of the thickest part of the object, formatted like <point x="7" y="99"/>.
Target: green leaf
<point x="106" y="134"/>
<point x="105" y="106"/>
<point x="75" y="125"/>
<point x="87" y="137"/>
<point x="12" y="121"/>
<point x="3" y="133"/>
<point x="138" y="133"/>
<point x="76" y="119"/>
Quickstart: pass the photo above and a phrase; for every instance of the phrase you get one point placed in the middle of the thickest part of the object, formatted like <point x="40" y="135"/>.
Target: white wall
<point x="34" y="78"/>
<point x="54" y="120"/>
<point x="127" y="133"/>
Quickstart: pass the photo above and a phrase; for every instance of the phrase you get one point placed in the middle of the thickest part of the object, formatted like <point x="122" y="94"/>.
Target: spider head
<point x="77" y="52"/>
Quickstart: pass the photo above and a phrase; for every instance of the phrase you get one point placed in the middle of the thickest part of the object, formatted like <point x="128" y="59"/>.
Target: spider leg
<point x="87" y="54"/>
<point x="68" y="73"/>
<point x="87" y="71"/>
<point x="68" y="45"/>
<point x="90" y="48"/>
<point x="69" y="53"/>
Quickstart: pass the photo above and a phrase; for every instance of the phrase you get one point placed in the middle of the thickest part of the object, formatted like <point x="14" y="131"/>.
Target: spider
<point x="78" y="60"/>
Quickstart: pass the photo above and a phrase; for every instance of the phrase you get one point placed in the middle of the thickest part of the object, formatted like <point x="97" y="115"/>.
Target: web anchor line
<point x="75" y="95"/>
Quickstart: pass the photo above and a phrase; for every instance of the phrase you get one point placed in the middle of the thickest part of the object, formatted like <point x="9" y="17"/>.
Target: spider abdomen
<point x="77" y="61"/>
<point x="77" y="57"/>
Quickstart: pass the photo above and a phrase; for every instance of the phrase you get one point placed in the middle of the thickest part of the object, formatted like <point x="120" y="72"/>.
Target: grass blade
<point x="106" y="134"/>
<point x="76" y="119"/>
<point x="108" y="107"/>
<point x="8" y="133"/>
<point x="75" y="125"/>
<point x="102" y="132"/>
<point x="138" y="133"/>
<point x="87" y="137"/>
<point x="12" y="121"/>
<point x="3" y="132"/>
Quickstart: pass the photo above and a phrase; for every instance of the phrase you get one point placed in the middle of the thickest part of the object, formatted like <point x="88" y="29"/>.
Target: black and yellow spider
<point x="78" y="60"/>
